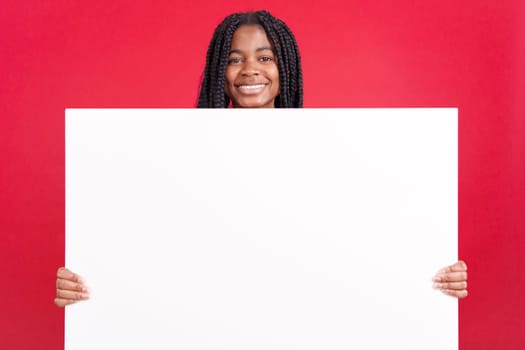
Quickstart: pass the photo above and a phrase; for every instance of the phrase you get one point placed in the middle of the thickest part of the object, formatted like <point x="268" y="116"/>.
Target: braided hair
<point x="212" y="93"/>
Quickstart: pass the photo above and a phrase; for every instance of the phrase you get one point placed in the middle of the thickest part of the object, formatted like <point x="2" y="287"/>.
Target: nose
<point x="249" y="68"/>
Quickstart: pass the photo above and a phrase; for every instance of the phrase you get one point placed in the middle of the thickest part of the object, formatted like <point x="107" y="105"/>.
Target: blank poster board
<point x="261" y="229"/>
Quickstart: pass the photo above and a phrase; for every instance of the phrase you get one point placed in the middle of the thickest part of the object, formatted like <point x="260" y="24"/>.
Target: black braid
<point x="212" y="94"/>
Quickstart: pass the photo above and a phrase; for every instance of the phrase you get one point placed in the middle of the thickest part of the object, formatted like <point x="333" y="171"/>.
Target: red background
<point x="404" y="53"/>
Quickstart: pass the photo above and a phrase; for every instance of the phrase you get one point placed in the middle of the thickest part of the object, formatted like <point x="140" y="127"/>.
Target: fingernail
<point x="436" y="279"/>
<point x="436" y="286"/>
<point x="85" y="296"/>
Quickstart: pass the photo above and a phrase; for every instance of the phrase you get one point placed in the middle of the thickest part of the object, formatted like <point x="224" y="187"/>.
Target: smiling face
<point x="252" y="76"/>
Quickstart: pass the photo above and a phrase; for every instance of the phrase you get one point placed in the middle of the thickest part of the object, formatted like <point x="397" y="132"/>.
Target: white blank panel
<point x="261" y="229"/>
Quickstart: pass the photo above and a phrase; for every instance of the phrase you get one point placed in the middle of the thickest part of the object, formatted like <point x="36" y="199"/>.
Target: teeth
<point x="251" y="87"/>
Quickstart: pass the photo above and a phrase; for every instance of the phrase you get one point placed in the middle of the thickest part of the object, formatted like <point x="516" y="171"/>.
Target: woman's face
<point x="252" y="76"/>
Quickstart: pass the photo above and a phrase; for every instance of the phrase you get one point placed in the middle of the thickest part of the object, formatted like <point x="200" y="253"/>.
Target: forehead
<point x="250" y="37"/>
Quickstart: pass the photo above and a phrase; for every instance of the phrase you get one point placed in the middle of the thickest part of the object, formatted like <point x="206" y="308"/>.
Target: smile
<point x="250" y="89"/>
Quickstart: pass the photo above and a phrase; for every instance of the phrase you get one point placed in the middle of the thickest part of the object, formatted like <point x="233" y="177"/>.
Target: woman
<point x="253" y="62"/>
<point x="252" y="48"/>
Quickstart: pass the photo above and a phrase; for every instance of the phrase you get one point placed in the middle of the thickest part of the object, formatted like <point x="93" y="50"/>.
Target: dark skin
<point x="252" y="81"/>
<point x="252" y="75"/>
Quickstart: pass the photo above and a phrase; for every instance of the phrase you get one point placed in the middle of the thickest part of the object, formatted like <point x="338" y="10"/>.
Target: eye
<point x="234" y="60"/>
<point x="266" y="59"/>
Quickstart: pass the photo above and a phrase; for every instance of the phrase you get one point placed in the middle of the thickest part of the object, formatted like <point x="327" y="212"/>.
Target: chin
<point x="254" y="104"/>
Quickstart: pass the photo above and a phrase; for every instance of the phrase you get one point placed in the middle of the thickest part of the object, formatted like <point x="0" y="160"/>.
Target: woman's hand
<point x="452" y="280"/>
<point x="70" y="288"/>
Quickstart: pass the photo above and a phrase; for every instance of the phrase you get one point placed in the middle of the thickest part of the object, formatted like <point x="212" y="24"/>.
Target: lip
<point x="250" y="89"/>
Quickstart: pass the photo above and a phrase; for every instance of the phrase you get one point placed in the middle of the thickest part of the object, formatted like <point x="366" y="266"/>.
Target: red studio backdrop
<point x="434" y="53"/>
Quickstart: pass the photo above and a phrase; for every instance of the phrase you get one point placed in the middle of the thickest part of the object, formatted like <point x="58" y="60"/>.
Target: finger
<point x="64" y="302"/>
<point x="70" y="285"/>
<point x="451" y="285"/>
<point x="459" y="266"/>
<point x="64" y="273"/>
<point x="460" y="294"/>
<point x="75" y="296"/>
<point x="451" y="277"/>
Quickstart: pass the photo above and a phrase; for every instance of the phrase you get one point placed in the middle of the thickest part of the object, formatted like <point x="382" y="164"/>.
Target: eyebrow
<point x="264" y="48"/>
